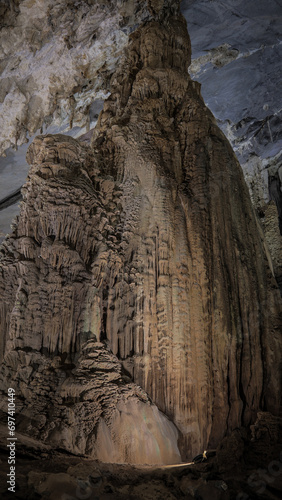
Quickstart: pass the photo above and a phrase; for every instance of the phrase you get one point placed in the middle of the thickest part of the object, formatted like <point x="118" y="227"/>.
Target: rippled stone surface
<point x="140" y="254"/>
<point x="57" y="60"/>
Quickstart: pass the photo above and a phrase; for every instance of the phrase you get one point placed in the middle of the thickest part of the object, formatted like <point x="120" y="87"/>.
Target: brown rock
<point x="273" y="237"/>
<point x="230" y="452"/>
<point x="142" y="251"/>
<point x="266" y="440"/>
<point x="213" y="490"/>
<point x="207" y="322"/>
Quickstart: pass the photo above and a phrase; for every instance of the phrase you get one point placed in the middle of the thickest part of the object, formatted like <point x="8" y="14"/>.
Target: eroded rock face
<point x="244" y="466"/>
<point x="72" y="391"/>
<point x="56" y="58"/>
<point x="192" y="241"/>
<point x="86" y="407"/>
<point x="143" y="249"/>
<point x="235" y="46"/>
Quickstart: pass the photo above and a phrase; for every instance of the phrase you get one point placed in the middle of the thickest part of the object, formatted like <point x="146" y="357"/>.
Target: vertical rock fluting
<point x="147" y="246"/>
<point x="71" y="391"/>
<point x="202" y="332"/>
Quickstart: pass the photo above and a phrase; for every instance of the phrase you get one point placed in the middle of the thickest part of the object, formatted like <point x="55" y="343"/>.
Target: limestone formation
<point x="270" y="224"/>
<point x="56" y="60"/>
<point x="137" y="263"/>
<point x="71" y="390"/>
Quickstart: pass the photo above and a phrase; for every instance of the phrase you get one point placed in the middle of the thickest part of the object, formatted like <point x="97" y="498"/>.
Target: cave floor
<point x="45" y="473"/>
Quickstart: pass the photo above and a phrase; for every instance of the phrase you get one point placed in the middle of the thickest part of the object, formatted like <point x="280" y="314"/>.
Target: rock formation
<point x="71" y="390"/>
<point x="234" y="47"/>
<point x="57" y="58"/>
<point x="137" y="262"/>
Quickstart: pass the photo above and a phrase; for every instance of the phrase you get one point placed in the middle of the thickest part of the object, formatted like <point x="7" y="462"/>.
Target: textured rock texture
<point x="246" y="466"/>
<point x="57" y="58"/>
<point x="144" y="251"/>
<point x="192" y="240"/>
<point x="236" y="48"/>
<point x="72" y="391"/>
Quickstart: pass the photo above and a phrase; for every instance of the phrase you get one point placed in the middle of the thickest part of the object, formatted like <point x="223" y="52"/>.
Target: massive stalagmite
<point x="137" y="263"/>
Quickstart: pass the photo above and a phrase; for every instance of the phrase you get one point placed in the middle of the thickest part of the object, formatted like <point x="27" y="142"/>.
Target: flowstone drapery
<point x="137" y="262"/>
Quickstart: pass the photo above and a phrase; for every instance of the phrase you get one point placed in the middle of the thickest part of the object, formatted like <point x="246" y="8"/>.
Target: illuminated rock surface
<point x="138" y="262"/>
<point x="57" y="59"/>
<point x="137" y="270"/>
<point x="236" y="50"/>
<point x="244" y="466"/>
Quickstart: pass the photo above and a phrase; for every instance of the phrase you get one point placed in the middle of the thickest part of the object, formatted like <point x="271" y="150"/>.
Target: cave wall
<point x="142" y="247"/>
<point x="189" y="224"/>
<point x="236" y="50"/>
<point x="236" y="54"/>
